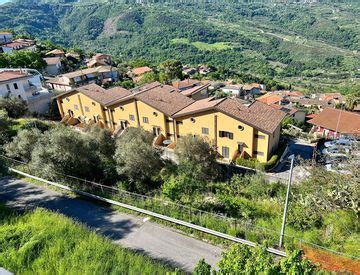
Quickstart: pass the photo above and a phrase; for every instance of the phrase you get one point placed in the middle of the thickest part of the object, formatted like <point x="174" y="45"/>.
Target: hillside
<point x="310" y="46"/>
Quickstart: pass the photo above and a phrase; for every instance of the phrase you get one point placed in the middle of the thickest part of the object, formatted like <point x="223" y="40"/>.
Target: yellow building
<point x="232" y="126"/>
<point x="87" y="103"/>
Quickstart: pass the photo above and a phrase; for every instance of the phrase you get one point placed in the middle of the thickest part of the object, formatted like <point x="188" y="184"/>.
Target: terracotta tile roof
<point x="56" y="51"/>
<point x="311" y="116"/>
<point x="258" y="115"/>
<point x="12" y="75"/>
<point x="94" y="62"/>
<point x="337" y="120"/>
<point x="331" y="96"/>
<point x="310" y="101"/>
<point x="141" y="70"/>
<point x="98" y="93"/>
<point x="285" y="109"/>
<point x="164" y="98"/>
<point x="195" y="90"/>
<point x="52" y="60"/>
<point x="198" y="106"/>
<point x="14" y="45"/>
<point x="269" y="98"/>
<point x="186" y="83"/>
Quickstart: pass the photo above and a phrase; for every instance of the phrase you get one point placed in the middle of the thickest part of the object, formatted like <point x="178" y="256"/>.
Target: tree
<point x="63" y="151"/>
<point x="184" y="185"/>
<point x="241" y="259"/>
<point x="137" y="160"/>
<point x="169" y="70"/>
<point x="23" y="144"/>
<point x="202" y="268"/>
<point x="148" y="78"/>
<point x="15" y="107"/>
<point x="351" y="102"/>
<point x="4" y="127"/>
<point x="198" y="152"/>
<point x="24" y="59"/>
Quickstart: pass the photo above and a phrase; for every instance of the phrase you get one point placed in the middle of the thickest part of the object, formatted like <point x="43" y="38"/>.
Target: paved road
<point x="134" y="232"/>
<point x="299" y="149"/>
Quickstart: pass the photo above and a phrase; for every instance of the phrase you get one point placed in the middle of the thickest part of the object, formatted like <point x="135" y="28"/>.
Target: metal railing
<point x="215" y="224"/>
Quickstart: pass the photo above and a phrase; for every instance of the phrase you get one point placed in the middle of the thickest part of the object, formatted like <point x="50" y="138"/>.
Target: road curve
<point x="130" y="231"/>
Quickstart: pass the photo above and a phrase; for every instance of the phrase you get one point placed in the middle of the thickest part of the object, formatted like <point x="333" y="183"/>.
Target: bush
<point x="251" y="162"/>
<point x="23" y="144"/>
<point x="202" y="268"/>
<point x="14" y="107"/>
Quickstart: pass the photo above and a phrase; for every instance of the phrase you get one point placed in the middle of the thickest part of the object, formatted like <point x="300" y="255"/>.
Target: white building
<point x="53" y="65"/>
<point x="25" y="84"/>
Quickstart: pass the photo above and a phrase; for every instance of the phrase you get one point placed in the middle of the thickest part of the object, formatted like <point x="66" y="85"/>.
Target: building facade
<point x="229" y="125"/>
<point x="25" y="84"/>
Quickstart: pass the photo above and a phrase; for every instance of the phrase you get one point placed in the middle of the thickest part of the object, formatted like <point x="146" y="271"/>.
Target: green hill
<point x="308" y="45"/>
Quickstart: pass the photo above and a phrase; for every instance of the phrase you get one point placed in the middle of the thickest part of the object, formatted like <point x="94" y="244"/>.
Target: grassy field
<point x="219" y="46"/>
<point x="43" y="242"/>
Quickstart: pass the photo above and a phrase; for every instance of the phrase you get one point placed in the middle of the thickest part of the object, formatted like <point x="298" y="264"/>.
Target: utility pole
<point x="292" y="157"/>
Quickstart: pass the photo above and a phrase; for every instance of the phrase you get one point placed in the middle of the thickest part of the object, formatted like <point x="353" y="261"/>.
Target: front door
<point x="122" y="124"/>
<point x="156" y="131"/>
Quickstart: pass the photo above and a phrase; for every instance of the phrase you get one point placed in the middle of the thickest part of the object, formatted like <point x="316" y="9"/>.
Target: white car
<point x="335" y="150"/>
<point x="341" y="141"/>
<point x="337" y="168"/>
<point x="336" y="158"/>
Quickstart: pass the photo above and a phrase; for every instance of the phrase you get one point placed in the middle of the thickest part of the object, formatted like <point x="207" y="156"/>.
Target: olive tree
<point x="137" y="160"/>
<point x="63" y="151"/>
<point x="15" y="107"/>
<point x="23" y="143"/>
<point x="200" y="154"/>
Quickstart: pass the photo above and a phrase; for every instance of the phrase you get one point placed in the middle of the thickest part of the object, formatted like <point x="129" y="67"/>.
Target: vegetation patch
<point x="203" y="46"/>
<point x="45" y="242"/>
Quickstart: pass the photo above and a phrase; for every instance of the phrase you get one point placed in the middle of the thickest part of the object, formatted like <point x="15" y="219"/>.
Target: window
<point x="8" y="88"/>
<point x="258" y="153"/>
<point x="16" y="86"/>
<point x="241" y="128"/>
<point x="205" y="131"/>
<point x="259" y="136"/>
<point x="76" y="107"/>
<point x="145" y="119"/>
<point x="225" y="152"/>
<point x="132" y="117"/>
<point x="226" y="134"/>
<point x="87" y="109"/>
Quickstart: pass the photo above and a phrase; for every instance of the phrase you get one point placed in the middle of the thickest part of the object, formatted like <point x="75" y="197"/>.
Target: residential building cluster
<point x="8" y="44"/>
<point x="234" y="127"/>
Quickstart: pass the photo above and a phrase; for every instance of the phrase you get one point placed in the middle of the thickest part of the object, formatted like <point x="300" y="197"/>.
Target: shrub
<point x="251" y="162"/>
<point x="22" y="145"/>
<point x="202" y="268"/>
<point x="15" y="107"/>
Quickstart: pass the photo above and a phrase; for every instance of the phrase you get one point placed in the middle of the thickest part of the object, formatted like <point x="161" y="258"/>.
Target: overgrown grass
<point x="43" y="242"/>
<point x="203" y="46"/>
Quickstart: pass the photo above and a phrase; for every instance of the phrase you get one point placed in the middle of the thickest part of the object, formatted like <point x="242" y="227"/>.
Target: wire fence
<point x="240" y="228"/>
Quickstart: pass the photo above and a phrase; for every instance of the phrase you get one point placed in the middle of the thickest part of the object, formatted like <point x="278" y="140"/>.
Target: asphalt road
<point x="130" y="231"/>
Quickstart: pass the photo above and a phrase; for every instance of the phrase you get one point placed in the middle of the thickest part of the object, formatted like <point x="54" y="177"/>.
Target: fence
<point x="217" y="225"/>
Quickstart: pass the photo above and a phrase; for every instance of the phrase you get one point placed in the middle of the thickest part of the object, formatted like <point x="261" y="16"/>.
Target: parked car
<point x="335" y="150"/>
<point x="336" y="158"/>
<point x="341" y="141"/>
